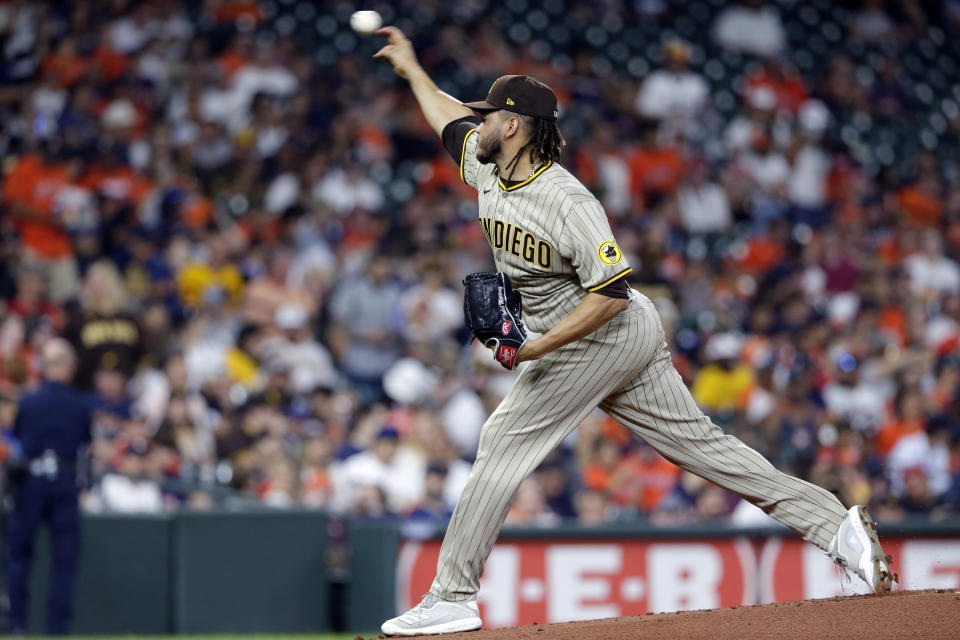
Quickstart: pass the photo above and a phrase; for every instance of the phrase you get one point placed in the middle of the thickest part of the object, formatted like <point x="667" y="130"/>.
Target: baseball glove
<point x="492" y="311"/>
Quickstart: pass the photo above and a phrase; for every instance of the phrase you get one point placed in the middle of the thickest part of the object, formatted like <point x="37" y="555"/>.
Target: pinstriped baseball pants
<point x="625" y="369"/>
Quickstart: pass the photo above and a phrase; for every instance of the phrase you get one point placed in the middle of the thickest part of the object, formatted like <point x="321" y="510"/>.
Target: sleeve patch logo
<point x="610" y="253"/>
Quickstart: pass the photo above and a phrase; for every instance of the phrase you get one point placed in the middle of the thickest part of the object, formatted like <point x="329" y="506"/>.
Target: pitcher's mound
<point x="918" y="615"/>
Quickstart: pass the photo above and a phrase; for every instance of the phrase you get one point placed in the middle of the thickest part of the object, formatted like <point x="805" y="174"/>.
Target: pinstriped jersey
<point x="548" y="233"/>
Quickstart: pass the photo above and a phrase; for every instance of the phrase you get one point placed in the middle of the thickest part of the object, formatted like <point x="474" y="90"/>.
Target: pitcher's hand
<point x="399" y="51"/>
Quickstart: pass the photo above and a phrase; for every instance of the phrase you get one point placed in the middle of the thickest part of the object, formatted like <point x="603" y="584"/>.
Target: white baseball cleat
<point x="856" y="547"/>
<point x="433" y="616"/>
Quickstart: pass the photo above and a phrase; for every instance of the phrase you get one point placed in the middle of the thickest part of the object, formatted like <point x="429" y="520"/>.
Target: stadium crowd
<point x="264" y="301"/>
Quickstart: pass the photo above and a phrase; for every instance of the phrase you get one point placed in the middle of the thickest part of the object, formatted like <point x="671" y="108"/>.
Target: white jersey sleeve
<point x="587" y="241"/>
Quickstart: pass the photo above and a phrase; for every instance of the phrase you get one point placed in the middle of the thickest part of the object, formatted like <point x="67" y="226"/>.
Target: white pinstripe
<point x="625" y="369"/>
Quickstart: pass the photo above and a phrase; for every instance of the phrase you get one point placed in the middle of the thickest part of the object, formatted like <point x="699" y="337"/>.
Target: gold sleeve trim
<point x="463" y="152"/>
<point x="613" y="279"/>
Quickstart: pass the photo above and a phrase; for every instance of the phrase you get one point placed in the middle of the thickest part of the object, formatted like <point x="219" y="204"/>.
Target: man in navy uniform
<point x="52" y="427"/>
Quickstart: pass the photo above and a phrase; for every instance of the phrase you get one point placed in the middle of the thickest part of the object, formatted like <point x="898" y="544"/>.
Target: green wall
<point x="194" y="573"/>
<point x="266" y="571"/>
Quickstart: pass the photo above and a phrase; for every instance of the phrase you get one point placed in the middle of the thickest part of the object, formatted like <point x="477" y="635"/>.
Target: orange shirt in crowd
<point x="67" y="68"/>
<point x="894" y="320"/>
<point x="232" y="61"/>
<point x="889" y="250"/>
<point x="112" y="64"/>
<point x="762" y="255"/>
<point x="230" y="10"/>
<point x="789" y="89"/>
<point x="655" y="171"/>
<point x="117" y="183"/>
<point x="891" y="432"/>
<point x="922" y="207"/>
<point x="33" y="184"/>
<point x="586" y="167"/>
<point x="596" y="477"/>
<point x="644" y="483"/>
<point x="444" y="173"/>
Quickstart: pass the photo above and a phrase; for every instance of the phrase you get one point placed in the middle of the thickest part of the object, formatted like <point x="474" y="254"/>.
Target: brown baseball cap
<point x="520" y="94"/>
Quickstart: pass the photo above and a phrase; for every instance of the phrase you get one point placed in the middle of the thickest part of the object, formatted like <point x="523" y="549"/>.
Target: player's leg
<point x="658" y="407"/>
<point x="28" y="506"/>
<point x="551" y="397"/>
<point x="65" y="548"/>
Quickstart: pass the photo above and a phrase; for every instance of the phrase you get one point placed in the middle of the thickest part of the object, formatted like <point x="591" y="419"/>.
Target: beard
<point x="488" y="150"/>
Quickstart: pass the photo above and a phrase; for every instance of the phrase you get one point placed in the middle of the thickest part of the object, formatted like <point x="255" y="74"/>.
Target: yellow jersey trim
<point x="463" y="151"/>
<point x="528" y="180"/>
<point x="613" y="279"/>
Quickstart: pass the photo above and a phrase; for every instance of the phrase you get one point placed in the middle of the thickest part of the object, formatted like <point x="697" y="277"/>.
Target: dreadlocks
<point x="544" y="142"/>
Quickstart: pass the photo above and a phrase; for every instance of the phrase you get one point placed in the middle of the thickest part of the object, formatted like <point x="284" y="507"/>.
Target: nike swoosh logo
<point x="486" y="190"/>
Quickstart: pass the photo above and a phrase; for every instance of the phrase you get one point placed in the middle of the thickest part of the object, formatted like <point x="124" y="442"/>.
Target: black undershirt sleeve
<point x="616" y="289"/>
<point x="454" y="134"/>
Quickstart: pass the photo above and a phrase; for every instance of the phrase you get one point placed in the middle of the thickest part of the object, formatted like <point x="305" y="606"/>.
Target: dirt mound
<point x="918" y="615"/>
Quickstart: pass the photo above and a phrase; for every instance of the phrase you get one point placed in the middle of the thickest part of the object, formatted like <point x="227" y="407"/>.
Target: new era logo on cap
<point x="520" y="94"/>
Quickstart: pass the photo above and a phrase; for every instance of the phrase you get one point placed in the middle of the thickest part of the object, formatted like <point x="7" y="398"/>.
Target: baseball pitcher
<point x="602" y="345"/>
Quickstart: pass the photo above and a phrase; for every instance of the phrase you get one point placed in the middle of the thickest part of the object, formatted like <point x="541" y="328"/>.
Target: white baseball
<point x="365" y="21"/>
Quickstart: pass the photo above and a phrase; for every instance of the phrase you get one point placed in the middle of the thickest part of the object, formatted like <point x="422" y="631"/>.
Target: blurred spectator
<point x="908" y="418"/>
<point x="316" y="483"/>
<point x="344" y="190"/>
<point x="294" y="349"/>
<point x="364" y="332"/>
<point x="433" y="506"/>
<point x="592" y="508"/>
<point x="265" y="295"/>
<point x="31" y="303"/>
<point x="916" y="498"/>
<point x="871" y="22"/>
<point x="810" y="166"/>
<point x="529" y="508"/>
<point x="103" y="330"/>
<point x="656" y="168"/>
<point x="744" y="128"/>
<point x="642" y="479"/>
<point x="557" y="490"/>
<point x="890" y="93"/>
<point x="922" y="201"/>
<point x="396" y="471"/>
<point x="256" y="246"/>
<point x="751" y="26"/>
<point x="30" y="191"/>
<point x="704" y="206"/>
<point x="431" y="310"/>
<point x="724" y="383"/>
<point x="675" y="91"/>
<point x="766" y="172"/>
<point x="129" y="489"/>
<point x="850" y="396"/>
<point x="603" y="165"/>
<point x="931" y="272"/>
<point x="780" y="77"/>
